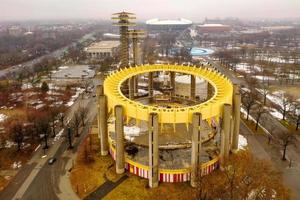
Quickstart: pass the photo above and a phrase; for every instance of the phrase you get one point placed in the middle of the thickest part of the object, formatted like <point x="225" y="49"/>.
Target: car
<point x="51" y="161"/>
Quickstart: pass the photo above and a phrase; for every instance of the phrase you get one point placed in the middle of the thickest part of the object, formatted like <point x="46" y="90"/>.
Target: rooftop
<point x="213" y="25"/>
<point x="180" y="21"/>
<point x="104" y="45"/>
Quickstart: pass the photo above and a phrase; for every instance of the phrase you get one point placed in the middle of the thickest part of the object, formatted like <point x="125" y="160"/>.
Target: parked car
<point x="51" y="161"/>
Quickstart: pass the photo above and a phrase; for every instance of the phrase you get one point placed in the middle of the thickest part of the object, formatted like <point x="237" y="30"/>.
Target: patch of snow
<point x="63" y="67"/>
<point x="2" y="117"/>
<point x="58" y="136"/>
<point x="132" y="131"/>
<point x="75" y="96"/>
<point x="245" y="89"/>
<point x="275" y="113"/>
<point x="142" y="91"/>
<point x="245" y="67"/>
<point x="254" y="120"/>
<point x="39" y="106"/>
<point x="26" y="86"/>
<point x="242" y="142"/>
<point x="265" y="78"/>
<point x="17" y="165"/>
<point x="143" y="84"/>
<point x="156" y="92"/>
<point x="186" y="79"/>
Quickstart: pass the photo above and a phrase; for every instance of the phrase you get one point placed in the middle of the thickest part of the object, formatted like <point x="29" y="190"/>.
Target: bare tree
<point x="43" y="125"/>
<point x="17" y="133"/>
<point x="265" y="92"/>
<point x="296" y="114"/>
<point x="285" y="139"/>
<point x="53" y="114"/>
<point x="284" y="105"/>
<point x="249" y="100"/>
<point x="243" y="177"/>
<point x="259" y="111"/>
<point x="75" y="123"/>
<point x="83" y="111"/>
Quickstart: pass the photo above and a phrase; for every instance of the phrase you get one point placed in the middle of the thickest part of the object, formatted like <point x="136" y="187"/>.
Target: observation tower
<point x="168" y="130"/>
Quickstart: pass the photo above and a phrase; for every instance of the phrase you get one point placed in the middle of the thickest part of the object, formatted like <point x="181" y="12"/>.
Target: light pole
<point x="69" y="137"/>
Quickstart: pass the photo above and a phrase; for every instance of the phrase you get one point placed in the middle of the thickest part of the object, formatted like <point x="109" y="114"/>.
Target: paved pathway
<point x="105" y="188"/>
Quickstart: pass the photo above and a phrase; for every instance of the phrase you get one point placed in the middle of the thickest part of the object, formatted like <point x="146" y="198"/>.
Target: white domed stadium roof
<point x="180" y="21"/>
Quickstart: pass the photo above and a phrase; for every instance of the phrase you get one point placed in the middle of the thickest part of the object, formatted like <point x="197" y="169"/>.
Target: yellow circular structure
<point x="211" y="108"/>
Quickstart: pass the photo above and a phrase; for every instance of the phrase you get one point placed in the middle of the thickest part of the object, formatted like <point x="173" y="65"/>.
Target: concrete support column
<point x="153" y="150"/>
<point x="193" y="87"/>
<point x="210" y="90"/>
<point x="150" y="84"/>
<point x="227" y="110"/>
<point x="136" y="85"/>
<point x="237" y="119"/>
<point x="135" y="51"/>
<point x="196" y="149"/>
<point x="222" y="149"/>
<point x="131" y="88"/>
<point x="103" y="125"/>
<point x="99" y="92"/>
<point x="172" y="82"/>
<point x="119" y="135"/>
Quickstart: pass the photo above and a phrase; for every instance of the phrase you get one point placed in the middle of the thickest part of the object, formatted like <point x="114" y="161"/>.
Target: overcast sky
<point x="195" y="10"/>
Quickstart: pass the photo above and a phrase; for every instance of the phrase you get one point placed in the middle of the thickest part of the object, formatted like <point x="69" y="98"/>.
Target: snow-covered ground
<point x="245" y="67"/>
<point x="17" y="165"/>
<point x="265" y="78"/>
<point x="142" y="91"/>
<point x="242" y="142"/>
<point x="274" y="59"/>
<point x="275" y="113"/>
<point x="2" y="117"/>
<point x="58" y="136"/>
<point x="131" y="131"/>
<point x="75" y="96"/>
<point x="26" y="86"/>
<point x="243" y="111"/>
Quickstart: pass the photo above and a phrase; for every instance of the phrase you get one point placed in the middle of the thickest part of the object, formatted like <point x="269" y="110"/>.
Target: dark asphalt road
<point x="45" y="184"/>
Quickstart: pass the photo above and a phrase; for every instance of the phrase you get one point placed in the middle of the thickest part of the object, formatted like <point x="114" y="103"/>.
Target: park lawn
<point x="88" y="176"/>
<point x="292" y="90"/>
<point x="3" y="183"/>
<point x="134" y="188"/>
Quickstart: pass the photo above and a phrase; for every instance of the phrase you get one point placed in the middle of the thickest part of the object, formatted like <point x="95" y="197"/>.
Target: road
<point x="29" y="64"/>
<point x="38" y="180"/>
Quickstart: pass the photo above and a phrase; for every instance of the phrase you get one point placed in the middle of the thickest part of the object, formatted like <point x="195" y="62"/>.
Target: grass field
<point x="87" y="176"/>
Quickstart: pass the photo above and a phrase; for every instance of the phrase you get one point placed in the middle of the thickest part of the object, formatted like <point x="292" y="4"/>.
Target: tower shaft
<point x="124" y="46"/>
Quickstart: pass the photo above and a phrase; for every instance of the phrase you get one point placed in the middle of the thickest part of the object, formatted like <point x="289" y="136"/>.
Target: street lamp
<point x="69" y="137"/>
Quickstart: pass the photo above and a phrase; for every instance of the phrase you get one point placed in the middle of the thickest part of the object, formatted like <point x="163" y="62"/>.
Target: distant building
<point x="102" y="49"/>
<point x="15" y="31"/>
<point x="111" y="36"/>
<point x="277" y="28"/>
<point x="214" y="28"/>
<point x="168" y="24"/>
